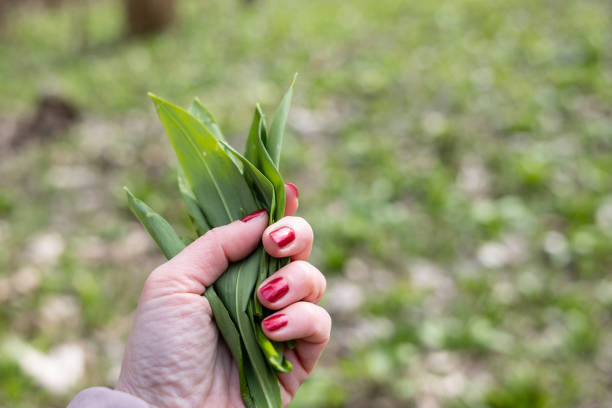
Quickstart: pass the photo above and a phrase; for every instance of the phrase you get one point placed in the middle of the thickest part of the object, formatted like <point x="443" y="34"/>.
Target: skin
<point x="175" y="356"/>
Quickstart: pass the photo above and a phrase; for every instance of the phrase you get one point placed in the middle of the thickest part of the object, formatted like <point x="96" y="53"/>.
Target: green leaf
<point x="203" y="115"/>
<point x="160" y="230"/>
<point x="273" y="352"/>
<point x="274" y="141"/>
<point x="217" y="183"/>
<point x="235" y="287"/>
<point x="193" y="208"/>
<point x="258" y="182"/>
<point x="232" y="339"/>
<point x="250" y="151"/>
<point x="259" y="393"/>
<point x="206" y="118"/>
<point x="256" y="154"/>
<point x="264" y="375"/>
<point x="268" y="169"/>
<point x="262" y="274"/>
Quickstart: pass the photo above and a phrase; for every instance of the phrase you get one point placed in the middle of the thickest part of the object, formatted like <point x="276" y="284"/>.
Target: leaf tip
<point x="156" y="99"/>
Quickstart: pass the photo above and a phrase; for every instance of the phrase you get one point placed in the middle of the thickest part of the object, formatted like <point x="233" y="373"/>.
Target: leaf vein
<point x="201" y="157"/>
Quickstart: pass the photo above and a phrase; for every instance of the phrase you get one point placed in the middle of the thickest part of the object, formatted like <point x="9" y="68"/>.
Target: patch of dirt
<point x="53" y="114"/>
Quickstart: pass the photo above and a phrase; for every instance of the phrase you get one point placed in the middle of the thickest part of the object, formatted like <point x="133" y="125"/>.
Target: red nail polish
<point x="275" y="322"/>
<point x="282" y="236"/>
<point x="253" y="215"/>
<point x="294" y="188"/>
<point x="274" y="290"/>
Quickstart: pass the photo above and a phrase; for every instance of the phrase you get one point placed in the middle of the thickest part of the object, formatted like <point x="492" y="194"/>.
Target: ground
<point x="454" y="158"/>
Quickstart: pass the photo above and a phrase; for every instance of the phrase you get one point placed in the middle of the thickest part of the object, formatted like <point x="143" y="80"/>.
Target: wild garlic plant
<point x="220" y="185"/>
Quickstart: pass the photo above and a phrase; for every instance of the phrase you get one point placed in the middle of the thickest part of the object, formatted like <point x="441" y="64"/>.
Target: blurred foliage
<point x="454" y="158"/>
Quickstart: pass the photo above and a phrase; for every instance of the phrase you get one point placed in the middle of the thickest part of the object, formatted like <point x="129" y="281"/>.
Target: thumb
<point x="200" y="264"/>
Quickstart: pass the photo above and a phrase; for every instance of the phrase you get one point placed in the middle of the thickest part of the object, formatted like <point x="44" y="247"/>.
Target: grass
<point x="453" y="157"/>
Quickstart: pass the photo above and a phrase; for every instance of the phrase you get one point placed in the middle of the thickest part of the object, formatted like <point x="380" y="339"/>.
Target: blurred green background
<point x="454" y="158"/>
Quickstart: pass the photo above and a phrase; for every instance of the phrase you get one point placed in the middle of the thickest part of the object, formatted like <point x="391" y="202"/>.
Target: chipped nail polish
<point x="274" y="290"/>
<point x="275" y="322"/>
<point x="253" y="215"/>
<point x="294" y="188"/>
<point x="282" y="236"/>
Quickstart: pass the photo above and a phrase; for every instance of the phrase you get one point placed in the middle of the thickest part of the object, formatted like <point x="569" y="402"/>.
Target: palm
<point x="170" y="329"/>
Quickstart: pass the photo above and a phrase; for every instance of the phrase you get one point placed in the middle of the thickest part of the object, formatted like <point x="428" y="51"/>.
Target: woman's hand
<point x="175" y="356"/>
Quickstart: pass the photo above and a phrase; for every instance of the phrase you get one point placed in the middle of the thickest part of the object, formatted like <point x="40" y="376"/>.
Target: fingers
<point x="310" y="326"/>
<point x="300" y="321"/>
<point x="291" y="204"/>
<point x="305" y="322"/>
<point x="205" y="259"/>
<point x="297" y="281"/>
<point x="289" y="237"/>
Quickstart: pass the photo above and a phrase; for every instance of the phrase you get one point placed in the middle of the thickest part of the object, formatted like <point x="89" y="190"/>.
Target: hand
<point x="175" y="356"/>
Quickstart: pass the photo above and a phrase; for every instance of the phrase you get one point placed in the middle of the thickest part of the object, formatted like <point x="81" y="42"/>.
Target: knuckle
<point x="323" y="323"/>
<point x="317" y="281"/>
<point x="156" y="282"/>
<point x="322" y="288"/>
<point x="327" y="322"/>
<point x="153" y="278"/>
<point x="314" y="280"/>
<point x="323" y="283"/>
<point x="212" y="235"/>
<point x="309" y="311"/>
<point x="309" y="229"/>
<point x="158" y="274"/>
<point x="305" y="269"/>
<point x="213" y="241"/>
<point x="311" y="280"/>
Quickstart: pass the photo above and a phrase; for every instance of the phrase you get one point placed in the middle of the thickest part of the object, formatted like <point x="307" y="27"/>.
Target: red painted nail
<point x="282" y="236"/>
<point x="294" y="188"/>
<point x="275" y="322"/>
<point x="253" y="215"/>
<point x="274" y="290"/>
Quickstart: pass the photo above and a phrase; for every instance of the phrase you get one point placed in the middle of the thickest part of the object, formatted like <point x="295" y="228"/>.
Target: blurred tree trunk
<point x="5" y="7"/>
<point x="52" y="3"/>
<point x="149" y="16"/>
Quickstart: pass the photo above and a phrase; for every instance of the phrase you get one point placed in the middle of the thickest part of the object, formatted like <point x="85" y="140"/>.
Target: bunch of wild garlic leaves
<point x="220" y="185"/>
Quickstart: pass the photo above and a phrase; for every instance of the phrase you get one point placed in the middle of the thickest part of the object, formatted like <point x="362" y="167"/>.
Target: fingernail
<point x="274" y="290"/>
<point x="253" y="215"/>
<point x="275" y="322"/>
<point x="282" y="236"/>
<point x="294" y="188"/>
